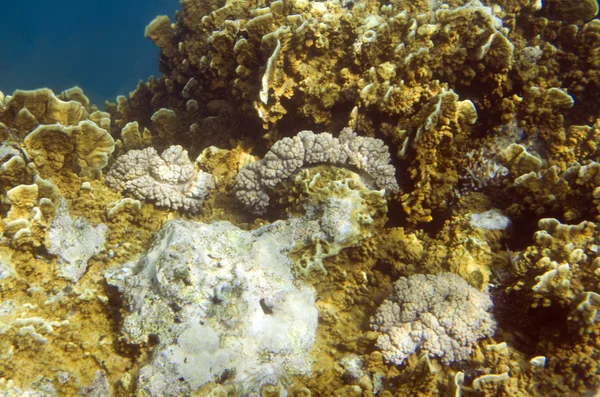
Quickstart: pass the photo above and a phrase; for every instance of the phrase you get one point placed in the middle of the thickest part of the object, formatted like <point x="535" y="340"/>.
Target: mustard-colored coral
<point x="489" y="111"/>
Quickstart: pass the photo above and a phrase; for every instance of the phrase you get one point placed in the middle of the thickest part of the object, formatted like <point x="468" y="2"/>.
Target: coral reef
<point x="390" y="69"/>
<point x="203" y="236"/>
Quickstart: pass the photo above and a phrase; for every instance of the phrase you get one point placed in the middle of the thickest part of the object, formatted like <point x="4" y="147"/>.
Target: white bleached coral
<point x="441" y="314"/>
<point x="74" y="242"/>
<point x="170" y="180"/>
<point x="224" y="305"/>
<point x="367" y="155"/>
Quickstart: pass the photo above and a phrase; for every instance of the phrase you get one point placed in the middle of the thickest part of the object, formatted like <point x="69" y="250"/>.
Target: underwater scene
<point x="312" y="198"/>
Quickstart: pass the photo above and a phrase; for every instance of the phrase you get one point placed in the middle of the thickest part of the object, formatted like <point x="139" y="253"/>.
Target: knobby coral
<point x="287" y="156"/>
<point x="441" y="314"/>
<point x="170" y="179"/>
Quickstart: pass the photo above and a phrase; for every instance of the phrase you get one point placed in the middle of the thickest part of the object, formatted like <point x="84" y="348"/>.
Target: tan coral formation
<point x="52" y="132"/>
<point x="434" y="136"/>
<point x="32" y="208"/>
<point x="490" y="113"/>
<point x="271" y="57"/>
<point x="57" y="333"/>
<point x="56" y="337"/>
<point x="562" y="262"/>
<point x="50" y="145"/>
<point x="296" y="61"/>
<point x="558" y="273"/>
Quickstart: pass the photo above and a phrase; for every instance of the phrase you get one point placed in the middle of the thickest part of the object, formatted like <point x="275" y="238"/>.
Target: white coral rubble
<point x="369" y="156"/>
<point x="170" y="180"/>
<point x="441" y="314"/>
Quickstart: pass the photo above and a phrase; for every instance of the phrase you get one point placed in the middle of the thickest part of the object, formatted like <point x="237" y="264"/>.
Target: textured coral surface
<point x="314" y="198"/>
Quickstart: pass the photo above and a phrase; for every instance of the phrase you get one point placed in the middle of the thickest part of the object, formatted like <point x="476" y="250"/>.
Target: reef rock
<point x="223" y="303"/>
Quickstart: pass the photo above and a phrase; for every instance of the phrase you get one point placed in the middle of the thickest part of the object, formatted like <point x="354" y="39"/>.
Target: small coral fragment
<point x="484" y="381"/>
<point x="589" y="307"/>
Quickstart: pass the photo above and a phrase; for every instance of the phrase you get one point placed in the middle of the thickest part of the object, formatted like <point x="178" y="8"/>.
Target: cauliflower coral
<point x="441" y="314"/>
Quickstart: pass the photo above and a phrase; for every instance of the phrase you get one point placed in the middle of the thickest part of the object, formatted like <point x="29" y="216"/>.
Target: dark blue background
<point x="98" y="45"/>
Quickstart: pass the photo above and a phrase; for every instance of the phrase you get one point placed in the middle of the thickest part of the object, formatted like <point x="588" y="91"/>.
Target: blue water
<point x="97" y="45"/>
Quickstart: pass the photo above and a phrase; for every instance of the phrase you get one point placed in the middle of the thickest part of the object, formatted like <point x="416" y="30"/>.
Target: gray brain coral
<point x="170" y="180"/>
<point x="369" y="156"/>
<point x="441" y="314"/>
